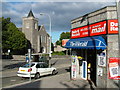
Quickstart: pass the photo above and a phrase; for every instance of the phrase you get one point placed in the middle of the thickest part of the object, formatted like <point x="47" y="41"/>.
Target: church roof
<point x="30" y="14"/>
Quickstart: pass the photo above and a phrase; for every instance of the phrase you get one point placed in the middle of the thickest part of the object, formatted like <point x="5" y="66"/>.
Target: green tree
<point x="63" y="35"/>
<point x="12" y="38"/>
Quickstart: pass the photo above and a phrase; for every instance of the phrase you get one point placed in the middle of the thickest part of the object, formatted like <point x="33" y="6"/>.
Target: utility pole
<point x="118" y="16"/>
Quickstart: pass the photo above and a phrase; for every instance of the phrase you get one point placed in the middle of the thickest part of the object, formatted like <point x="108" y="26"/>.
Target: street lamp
<point x="49" y="31"/>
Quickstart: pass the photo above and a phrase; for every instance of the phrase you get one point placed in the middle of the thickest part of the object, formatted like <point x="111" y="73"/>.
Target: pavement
<point x="56" y="81"/>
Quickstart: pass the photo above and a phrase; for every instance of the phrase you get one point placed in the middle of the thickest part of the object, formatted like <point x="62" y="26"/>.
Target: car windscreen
<point x="27" y="65"/>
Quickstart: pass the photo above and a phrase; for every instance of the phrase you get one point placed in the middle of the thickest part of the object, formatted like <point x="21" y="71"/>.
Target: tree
<point x="63" y="35"/>
<point x="12" y="38"/>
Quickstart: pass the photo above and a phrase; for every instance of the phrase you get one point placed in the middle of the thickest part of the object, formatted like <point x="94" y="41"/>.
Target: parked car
<point x="36" y="70"/>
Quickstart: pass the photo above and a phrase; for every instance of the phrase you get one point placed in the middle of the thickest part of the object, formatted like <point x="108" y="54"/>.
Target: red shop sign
<point x="112" y="26"/>
<point x="114" y="68"/>
<point x="79" y="32"/>
<point x="98" y="28"/>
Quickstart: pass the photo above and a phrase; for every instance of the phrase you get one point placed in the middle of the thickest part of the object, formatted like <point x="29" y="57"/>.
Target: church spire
<point x="30" y="14"/>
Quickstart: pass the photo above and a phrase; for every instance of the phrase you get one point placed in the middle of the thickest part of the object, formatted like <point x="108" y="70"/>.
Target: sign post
<point x="29" y="56"/>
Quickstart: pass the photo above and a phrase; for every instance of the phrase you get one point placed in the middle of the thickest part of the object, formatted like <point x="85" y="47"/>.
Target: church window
<point x="27" y="25"/>
<point x="36" y="26"/>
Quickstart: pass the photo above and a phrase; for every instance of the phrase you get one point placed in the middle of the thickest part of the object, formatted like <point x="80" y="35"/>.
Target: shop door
<point x="91" y="59"/>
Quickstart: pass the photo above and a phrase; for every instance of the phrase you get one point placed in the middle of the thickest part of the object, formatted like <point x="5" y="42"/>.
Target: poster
<point x="100" y="71"/>
<point x="114" y="68"/>
<point x="102" y="59"/>
<point x="74" y="67"/>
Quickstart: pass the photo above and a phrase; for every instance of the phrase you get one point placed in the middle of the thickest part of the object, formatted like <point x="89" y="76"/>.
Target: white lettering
<point x="75" y="33"/>
<point x="79" y="44"/>
<point x="113" y="26"/>
<point x="99" y="29"/>
<point x="113" y="29"/>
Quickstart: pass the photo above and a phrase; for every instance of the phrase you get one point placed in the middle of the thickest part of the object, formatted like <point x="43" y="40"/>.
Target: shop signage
<point x="79" y="32"/>
<point x="114" y="68"/>
<point x="98" y="28"/>
<point x="78" y="43"/>
<point x="104" y="27"/>
<point x="112" y="26"/>
<point x="64" y="41"/>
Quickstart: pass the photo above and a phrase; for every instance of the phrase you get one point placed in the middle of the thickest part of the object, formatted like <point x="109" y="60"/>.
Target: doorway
<point x="91" y="60"/>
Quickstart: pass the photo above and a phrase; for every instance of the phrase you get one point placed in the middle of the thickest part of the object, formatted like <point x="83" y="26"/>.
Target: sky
<point x="60" y="11"/>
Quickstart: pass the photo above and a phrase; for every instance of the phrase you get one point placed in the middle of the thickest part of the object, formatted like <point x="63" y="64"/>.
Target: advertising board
<point x="114" y="68"/>
<point x="112" y="26"/>
<point x="98" y="28"/>
<point x="79" y="32"/>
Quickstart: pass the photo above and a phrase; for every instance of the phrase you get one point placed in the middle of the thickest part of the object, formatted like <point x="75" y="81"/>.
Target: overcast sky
<point x="61" y="13"/>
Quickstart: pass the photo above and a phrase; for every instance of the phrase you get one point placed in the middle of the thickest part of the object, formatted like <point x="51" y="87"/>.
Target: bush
<point x="58" y="53"/>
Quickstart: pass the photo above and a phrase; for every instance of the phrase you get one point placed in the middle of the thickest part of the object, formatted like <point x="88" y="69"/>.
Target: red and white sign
<point x="114" y="68"/>
<point x="79" y="32"/>
<point x="112" y="26"/>
<point x="98" y="28"/>
<point x="64" y="41"/>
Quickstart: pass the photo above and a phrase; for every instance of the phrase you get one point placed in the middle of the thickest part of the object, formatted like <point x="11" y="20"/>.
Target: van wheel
<point x="54" y="72"/>
<point x="37" y="76"/>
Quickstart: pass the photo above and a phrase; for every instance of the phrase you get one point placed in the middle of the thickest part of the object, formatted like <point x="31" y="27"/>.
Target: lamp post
<point x="49" y="31"/>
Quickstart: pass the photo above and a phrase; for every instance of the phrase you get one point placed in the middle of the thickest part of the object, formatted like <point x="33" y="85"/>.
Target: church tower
<point x="30" y="26"/>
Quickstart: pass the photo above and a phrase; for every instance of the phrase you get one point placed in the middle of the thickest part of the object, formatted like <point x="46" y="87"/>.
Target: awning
<point x="96" y="42"/>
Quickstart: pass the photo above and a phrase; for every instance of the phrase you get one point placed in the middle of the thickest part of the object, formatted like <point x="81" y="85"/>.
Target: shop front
<point x="94" y="41"/>
<point x="84" y="56"/>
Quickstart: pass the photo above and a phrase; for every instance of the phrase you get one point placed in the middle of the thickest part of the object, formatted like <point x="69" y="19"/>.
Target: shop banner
<point x="112" y="26"/>
<point x="114" y="68"/>
<point x="98" y="28"/>
<point x="79" y="32"/>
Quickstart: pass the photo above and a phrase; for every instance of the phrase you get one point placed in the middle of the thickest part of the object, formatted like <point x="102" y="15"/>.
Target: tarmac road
<point x="7" y="81"/>
<point x="10" y="68"/>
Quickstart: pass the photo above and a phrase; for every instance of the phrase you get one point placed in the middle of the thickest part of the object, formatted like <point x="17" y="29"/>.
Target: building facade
<point x="94" y="42"/>
<point x="37" y="35"/>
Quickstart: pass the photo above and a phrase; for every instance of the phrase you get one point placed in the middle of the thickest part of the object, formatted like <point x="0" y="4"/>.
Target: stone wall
<point x="112" y="51"/>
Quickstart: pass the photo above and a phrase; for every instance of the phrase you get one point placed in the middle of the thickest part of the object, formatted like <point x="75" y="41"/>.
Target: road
<point x="10" y="68"/>
<point x="7" y="81"/>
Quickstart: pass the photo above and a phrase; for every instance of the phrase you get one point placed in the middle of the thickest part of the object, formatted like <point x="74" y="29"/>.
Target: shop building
<point x="94" y="46"/>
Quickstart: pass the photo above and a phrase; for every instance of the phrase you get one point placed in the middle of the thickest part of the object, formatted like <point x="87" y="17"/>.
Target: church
<point x="36" y="34"/>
